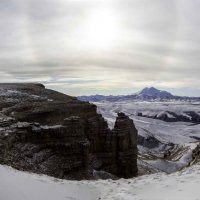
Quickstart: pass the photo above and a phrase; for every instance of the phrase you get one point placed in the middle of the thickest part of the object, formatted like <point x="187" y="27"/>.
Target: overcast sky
<point x="102" y="46"/>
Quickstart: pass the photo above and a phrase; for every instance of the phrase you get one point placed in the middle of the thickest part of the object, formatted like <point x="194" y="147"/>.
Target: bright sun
<point x="100" y="28"/>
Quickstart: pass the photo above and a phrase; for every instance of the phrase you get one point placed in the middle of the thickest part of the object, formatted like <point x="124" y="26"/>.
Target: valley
<point x="158" y="136"/>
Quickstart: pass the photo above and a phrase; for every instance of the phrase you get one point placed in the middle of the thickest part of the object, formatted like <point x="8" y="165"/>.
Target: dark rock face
<point x="115" y="151"/>
<point x="149" y="142"/>
<point x="44" y="131"/>
<point x="126" y="136"/>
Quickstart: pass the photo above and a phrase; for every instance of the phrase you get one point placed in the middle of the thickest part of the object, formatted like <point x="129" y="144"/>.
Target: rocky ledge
<point x="44" y="131"/>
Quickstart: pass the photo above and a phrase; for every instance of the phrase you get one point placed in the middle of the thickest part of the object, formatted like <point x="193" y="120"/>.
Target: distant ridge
<point x="147" y="94"/>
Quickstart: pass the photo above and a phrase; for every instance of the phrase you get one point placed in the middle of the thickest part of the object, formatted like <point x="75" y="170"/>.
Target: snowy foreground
<point x="16" y="185"/>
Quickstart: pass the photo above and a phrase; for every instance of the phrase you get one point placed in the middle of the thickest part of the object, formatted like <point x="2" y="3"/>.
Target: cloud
<point x="157" y="44"/>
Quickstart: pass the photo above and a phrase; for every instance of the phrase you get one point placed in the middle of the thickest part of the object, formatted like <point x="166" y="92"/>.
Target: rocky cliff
<point x="45" y="131"/>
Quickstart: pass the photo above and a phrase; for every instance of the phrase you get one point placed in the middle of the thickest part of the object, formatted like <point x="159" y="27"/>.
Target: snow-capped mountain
<point x="153" y="93"/>
<point x="147" y="94"/>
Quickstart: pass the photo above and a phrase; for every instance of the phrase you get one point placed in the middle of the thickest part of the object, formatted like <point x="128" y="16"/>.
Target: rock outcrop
<point x="126" y="148"/>
<point x="47" y="132"/>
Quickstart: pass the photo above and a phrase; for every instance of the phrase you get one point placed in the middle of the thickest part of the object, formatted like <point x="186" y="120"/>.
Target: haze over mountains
<point x="147" y="94"/>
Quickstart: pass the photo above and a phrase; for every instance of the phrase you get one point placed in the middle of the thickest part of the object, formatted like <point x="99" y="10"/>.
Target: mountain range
<point x="147" y="94"/>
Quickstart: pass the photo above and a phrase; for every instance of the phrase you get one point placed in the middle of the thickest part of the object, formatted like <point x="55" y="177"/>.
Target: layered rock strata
<point x="47" y="132"/>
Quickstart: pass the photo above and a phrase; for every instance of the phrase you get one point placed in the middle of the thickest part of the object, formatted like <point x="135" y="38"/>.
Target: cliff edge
<point x="44" y="131"/>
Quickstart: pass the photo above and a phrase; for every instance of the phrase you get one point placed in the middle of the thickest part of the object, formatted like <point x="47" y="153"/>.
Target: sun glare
<point x="100" y="28"/>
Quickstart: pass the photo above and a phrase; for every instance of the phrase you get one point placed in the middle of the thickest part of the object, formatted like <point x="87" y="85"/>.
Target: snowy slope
<point x="157" y="127"/>
<point x="177" y="186"/>
<point x="15" y="185"/>
<point x="175" y="132"/>
<point x="174" y="111"/>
